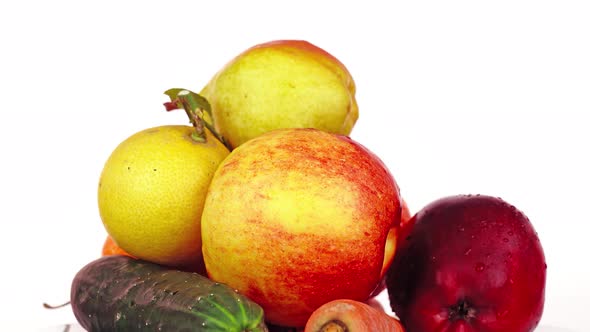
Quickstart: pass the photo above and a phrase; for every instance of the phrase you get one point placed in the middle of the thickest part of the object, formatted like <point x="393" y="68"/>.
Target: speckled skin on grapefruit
<point x="298" y="217"/>
<point x="152" y="190"/>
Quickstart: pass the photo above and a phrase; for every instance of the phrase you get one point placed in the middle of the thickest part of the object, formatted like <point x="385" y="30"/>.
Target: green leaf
<point x="196" y="100"/>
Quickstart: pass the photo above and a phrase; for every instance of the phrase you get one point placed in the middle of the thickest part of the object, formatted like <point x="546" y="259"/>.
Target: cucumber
<point x="120" y="293"/>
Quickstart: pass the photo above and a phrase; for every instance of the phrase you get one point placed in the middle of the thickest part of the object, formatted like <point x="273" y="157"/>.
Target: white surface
<point x="455" y="97"/>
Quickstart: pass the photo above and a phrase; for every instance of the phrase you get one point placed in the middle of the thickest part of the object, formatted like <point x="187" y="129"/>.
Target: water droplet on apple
<point x="479" y="267"/>
<point x="501" y="314"/>
<point x="510" y="233"/>
<point x="467" y="251"/>
<point x="511" y="281"/>
<point x="505" y="239"/>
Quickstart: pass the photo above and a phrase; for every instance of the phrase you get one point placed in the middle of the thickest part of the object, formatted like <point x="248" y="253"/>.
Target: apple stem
<point x="196" y="108"/>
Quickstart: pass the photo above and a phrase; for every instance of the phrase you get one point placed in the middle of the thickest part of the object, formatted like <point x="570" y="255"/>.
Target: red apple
<point x="395" y="234"/>
<point x="470" y="263"/>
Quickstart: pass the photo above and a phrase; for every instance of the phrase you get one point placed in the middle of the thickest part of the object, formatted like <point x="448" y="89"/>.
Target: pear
<point x="281" y="84"/>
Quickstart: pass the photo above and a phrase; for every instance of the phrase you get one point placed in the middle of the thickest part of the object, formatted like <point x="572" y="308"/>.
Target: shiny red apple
<point x="470" y="263"/>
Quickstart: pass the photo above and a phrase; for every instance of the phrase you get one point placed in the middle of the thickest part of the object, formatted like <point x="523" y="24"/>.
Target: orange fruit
<point x="111" y="248"/>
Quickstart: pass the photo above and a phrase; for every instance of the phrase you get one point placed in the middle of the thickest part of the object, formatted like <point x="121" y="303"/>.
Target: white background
<point x="455" y="96"/>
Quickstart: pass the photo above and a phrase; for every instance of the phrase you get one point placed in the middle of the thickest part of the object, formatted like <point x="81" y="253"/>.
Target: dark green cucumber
<point x="120" y="293"/>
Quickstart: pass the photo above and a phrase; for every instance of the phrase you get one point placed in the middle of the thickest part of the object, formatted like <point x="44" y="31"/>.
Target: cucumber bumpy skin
<point x="120" y="293"/>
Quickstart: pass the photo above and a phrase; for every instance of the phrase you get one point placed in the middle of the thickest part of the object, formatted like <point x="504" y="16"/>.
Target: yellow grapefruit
<point x="152" y="190"/>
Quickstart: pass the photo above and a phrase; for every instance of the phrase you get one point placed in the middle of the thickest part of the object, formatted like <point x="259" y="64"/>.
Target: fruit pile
<point x="265" y="215"/>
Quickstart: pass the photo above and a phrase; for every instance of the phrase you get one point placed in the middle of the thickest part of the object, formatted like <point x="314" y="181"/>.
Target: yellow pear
<point x="281" y="84"/>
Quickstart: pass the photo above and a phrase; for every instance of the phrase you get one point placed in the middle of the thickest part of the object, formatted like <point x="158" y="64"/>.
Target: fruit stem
<point x="194" y="111"/>
<point x="196" y="108"/>
<point x="49" y="306"/>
